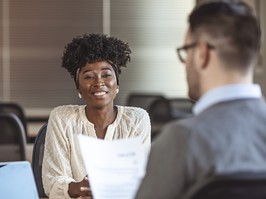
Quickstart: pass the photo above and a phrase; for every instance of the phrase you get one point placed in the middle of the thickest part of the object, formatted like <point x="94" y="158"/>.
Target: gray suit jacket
<point x="227" y="137"/>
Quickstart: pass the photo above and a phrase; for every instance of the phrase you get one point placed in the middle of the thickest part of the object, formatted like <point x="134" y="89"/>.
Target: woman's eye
<point x="89" y="77"/>
<point x="106" y="75"/>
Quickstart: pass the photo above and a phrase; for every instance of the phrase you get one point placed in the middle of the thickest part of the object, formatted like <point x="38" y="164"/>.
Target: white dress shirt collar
<point x="227" y="93"/>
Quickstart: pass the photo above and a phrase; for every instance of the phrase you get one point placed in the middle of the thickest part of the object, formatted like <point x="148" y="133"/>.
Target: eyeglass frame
<point x="188" y="46"/>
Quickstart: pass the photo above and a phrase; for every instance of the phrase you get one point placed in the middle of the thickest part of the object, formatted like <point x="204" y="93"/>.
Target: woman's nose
<point x="98" y="82"/>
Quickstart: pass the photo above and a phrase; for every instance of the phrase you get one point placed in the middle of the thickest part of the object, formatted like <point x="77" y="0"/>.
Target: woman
<point x="94" y="61"/>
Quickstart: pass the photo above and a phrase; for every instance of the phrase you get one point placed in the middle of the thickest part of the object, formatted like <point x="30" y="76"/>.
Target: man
<point x="228" y="130"/>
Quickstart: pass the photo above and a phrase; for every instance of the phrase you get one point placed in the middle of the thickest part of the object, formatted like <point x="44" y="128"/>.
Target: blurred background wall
<point x="34" y="33"/>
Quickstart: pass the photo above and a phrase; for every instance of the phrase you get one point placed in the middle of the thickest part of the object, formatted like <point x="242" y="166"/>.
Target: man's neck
<point x="222" y="79"/>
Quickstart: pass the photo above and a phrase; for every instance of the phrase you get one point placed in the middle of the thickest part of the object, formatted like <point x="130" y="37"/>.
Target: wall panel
<point x="39" y="31"/>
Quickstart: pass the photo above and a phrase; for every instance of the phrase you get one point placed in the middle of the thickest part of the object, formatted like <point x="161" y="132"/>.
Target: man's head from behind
<point x="230" y="30"/>
<point x="233" y="28"/>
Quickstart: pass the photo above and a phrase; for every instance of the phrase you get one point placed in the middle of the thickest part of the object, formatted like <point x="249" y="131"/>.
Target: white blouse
<point x="62" y="162"/>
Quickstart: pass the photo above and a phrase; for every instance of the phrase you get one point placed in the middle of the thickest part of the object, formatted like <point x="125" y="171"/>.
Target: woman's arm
<point x="57" y="171"/>
<point x="144" y="129"/>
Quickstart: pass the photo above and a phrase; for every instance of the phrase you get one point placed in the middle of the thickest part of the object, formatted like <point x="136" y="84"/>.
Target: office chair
<point x="15" y="108"/>
<point x="142" y="100"/>
<point x="37" y="159"/>
<point x="12" y="138"/>
<point x="160" y="113"/>
<point x="242" y="185"/>
<point x="181" y="107"/>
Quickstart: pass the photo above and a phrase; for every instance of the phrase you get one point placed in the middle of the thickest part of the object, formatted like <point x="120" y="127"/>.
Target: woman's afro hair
<point x="91" y="48"/>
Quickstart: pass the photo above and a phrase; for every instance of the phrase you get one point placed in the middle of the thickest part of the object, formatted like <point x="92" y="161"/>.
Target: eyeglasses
<point x="182" y="51"/>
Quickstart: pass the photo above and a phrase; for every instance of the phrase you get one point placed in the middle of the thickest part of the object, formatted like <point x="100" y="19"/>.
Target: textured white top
<point x="62" y="162"/>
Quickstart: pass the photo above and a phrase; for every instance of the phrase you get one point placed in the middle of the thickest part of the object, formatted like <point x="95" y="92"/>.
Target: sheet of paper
<point x="115" y="168"/>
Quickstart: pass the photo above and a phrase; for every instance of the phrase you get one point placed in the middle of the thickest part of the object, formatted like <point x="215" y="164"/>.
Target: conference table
<point x="77" y="198"/>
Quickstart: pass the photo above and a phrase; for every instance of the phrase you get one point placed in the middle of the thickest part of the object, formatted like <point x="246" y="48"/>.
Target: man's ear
<point x="203" y="55"/>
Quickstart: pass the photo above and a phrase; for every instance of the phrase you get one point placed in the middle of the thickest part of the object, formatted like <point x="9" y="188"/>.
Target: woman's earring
<point x="79" y="95"/>
<point x="117" y="90"/>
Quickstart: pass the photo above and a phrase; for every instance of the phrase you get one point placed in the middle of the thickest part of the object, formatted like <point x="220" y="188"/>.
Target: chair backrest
<point x="15" y="108"/>
<point x="160" y="113"/>
<point x="142" y="100"/>
<point x="12" y="138"/>
<point x="243" y="185"/>
<point x="37" y="159"/>
<point x="181" y="107"/>
<point x="160" y="110"/>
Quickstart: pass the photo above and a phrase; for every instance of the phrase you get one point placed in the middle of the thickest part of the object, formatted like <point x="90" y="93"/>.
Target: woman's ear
<point x="79" y="94"/>
<point x="117" y="89"/>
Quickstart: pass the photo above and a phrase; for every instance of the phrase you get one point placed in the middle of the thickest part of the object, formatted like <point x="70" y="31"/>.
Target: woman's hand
<point x="82" y="188"/>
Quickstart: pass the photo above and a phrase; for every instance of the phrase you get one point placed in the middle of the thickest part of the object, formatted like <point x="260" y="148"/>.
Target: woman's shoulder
<point x="66" y="110"/>
<point x="133" y="111"/>
<point x="134" y="116"/>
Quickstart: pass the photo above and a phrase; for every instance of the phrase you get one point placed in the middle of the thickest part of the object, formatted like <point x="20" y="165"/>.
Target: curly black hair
<point x="91" y="48"/>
